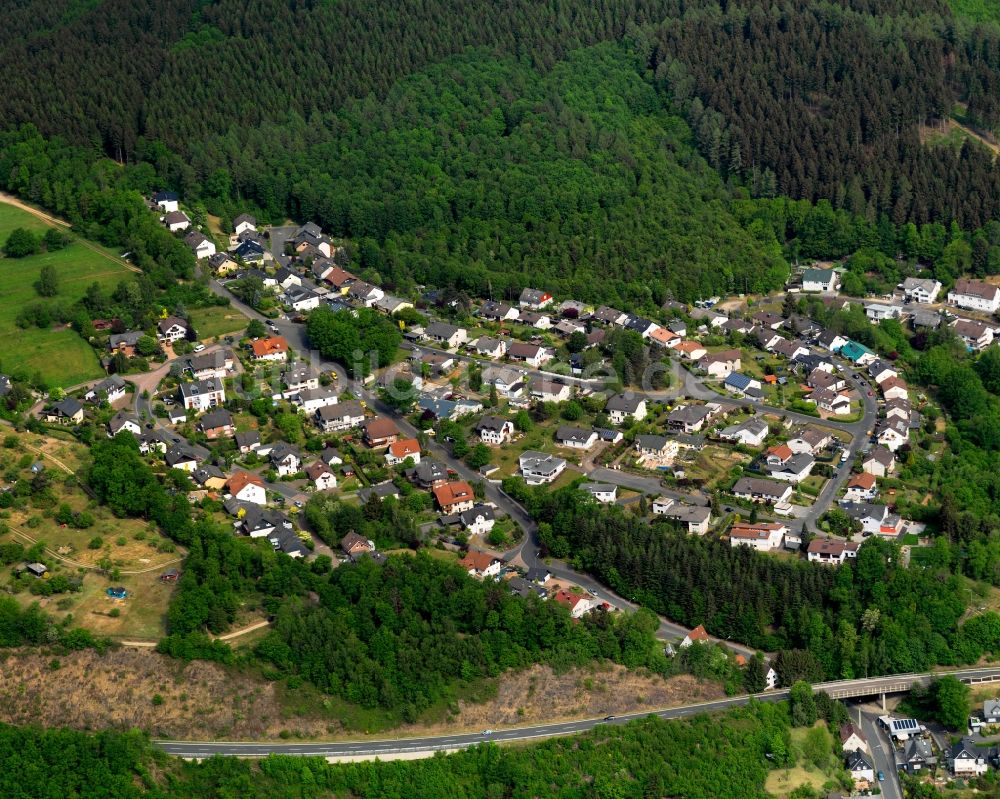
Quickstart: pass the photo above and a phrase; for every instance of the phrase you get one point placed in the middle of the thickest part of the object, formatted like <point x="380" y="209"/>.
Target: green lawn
<point x="217" y="321"/>
<point x="59" y="354"/>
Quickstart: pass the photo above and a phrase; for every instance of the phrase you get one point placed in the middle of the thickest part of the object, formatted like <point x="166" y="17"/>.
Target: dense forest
<point x="873" y="616"/>
<point x="466" y="145"/>
<point x="699" y="758"/>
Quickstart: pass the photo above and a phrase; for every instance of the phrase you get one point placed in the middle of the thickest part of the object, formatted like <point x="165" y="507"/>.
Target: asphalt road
<point x="375" y="748"/>
<point x="883" y="757"/>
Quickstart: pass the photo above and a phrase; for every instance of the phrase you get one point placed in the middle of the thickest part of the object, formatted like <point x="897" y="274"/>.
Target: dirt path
<point x="76" y="564"/>
<point x="227" y="637"/>
<point x="52" y="458"/>
<point x="52" y="220"/>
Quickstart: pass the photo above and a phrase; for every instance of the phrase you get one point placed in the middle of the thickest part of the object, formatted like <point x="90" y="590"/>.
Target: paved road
<point x="883" y="755"/>
<point x="376" y="748"/>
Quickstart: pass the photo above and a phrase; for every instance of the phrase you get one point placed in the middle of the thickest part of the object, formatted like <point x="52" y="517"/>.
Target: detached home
<point x="750" y="433"/>
<point x="171" y="329"/>
<point x="202" y="395"/>
<point x="575" y="437"/>
<point x="285" y="459"/>
<point x="831" y="551"/>
<point x="622" y="407"/>
<point x="531" y="354"/>
<point x="762" y="536"/>
<point x="321" y="476"/>
<point x="454" y="497"/>
<point x="923" y="290"/>
<point x="761" y="490"/>
<point x="819" y="280"/>
<point x="495" y="430"/>
<point x="975" y="295"/>
<point x="448" y="336"/>
<point x="200" y="245"/>
<point x="342" y="416"/>
<point x="535" y="299"/>
<point x="399" y="451"/>
<point x="273" y="348"/>
<point x="216" y="424"/>
<point x="247" y="487"/>
<point x="721" y="364"/>
<point x="478" y="520"/>
<point x="538" y="468"/>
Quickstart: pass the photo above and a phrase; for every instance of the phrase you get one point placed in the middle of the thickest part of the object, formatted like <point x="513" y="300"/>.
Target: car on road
<point x="298" y="503"/>
<point x="870" y="394"/>
<point x="199" y="347"/>
<point x="609" y="718"/>
<point x="881" y="776"/>
<point x="487" y="732"/>
<point x="592" y="592"/>
<point x="857" y="376"/>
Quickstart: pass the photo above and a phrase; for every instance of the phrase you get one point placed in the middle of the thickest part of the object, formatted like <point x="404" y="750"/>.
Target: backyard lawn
<point x="217" y="321"/>
<point x="58" y="354"/>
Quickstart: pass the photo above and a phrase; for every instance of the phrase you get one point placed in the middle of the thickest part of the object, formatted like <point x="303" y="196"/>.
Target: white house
<point x="750" y="433"/>
<point x="967" y="760"/>
<point x="531" y="354"/>
<point x="300" y="298"/>
<point x="126" y="422"/>
<point x="200" y="244"/>
<point x="762" y="536"/>
<point x="535" y="299"/>
<point x="285" y="459"/>
<point x="695" y="518"/>
<point x="509" y="383"/>
<point x="489" y="347"/>
<point x="604" y="493"/>
<point x="176" y="221"/>
<point x="448" y="336"/>
<point x="760" y="490"/>
<point x="892" y="434"/>
<point x="171" y="329"/>
<point x="548" y="390"/>
<point x="481" y="564"/>
<point x="243" y="223"/>
<point x="831" y="551"/>
<point x="879" y="312"/>
<point x="478" y="520"/>
<point x="924" y="290"/>
<point x="538" y="467"/>
<point x="247" y="487"/>
<point x="495" y="430"/>
<point x="398" y="451"/>
<point x="879" y="462"/>
<point x="310" y="400"/>
<point x="859" y="766"/>
<point x="721" y="364"/>
<point x="975" y="295"/>
<point x="575" y="437"/>
<point x="201" y="395"/>
<point x="342" y="416"/>
<point x="621" y="407"/>
<point x="166" y="201"/>
<point x="829" y="401"/>
<point x="819" y="280"/>
<point x="975" y="335"/>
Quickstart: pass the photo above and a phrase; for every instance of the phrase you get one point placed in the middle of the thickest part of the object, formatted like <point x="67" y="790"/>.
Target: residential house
<point x="364" y="293"/>
<point x="879" y="462"/>
<point x="535" y="299"/>
<point x="662" y="337"/>
<point x="758" y="489"/>
<point x="301" y="298"/>
<point x="740" y="326"/>
<point x="930" y="320"/>
<point x="216" y="424"/>
<point x="622" y="407"/>
<point x="509" y="383"/>
<point x="200" y="245"/>
<point x="879" y="312"/>
<point x="720" y="364"/>
<point x="861" y="488"/>
<point x="892" y="434"/>
<point x="428" y="474"/>
<point x="488" y="347"/>
<point x="750" y="433"/>
<point x="531" y="354"/>
<point x="310" y="400"/>
<point x="833" y="342"/>
<point x="454" y="497"/>
<point x="538" y="467"/>
<point x="881" y="370"/>
<point x="380" y="431"/>
<point x="109" y="390"/>
<point x="894" y="389"/>
<point x="209" y="477"/>
<point x="125" y="342"/>
<point x="321" y="476"/>
<point x="176" y="221"/>
<point x="217" y="363"/>
<point x="698" y="634"/>
<point x="690" y="350"/>
<point x="789" y="349"/>
<point x="478" y="520"/>
<point x="299" y="377"/>
<point x="829" y="401"/>
<point x="858" y="353"/>
<point x="243" y="223"/>
<point x="689" y="418"/>
<point x="975" y="335"/>
<point x="605" y="493"/>
<point x="769" y="319"/>
<point x="331" y="456"/>
<point x="166" y="201"/>
<point x="448" y="336"/>
<point x="820" y="280"/>
<point x="353" y="545"/>
<point x="272" y="348"/>
<point x="247" y="441"/>
<point x="991" y="711"/>
<point x="831" y="381"/>
<point x="678" y="327"/>
<point x="340" y="279"/>
<point x="171" y="329"/>
<point x="762" y="536"/>
<point x="579" y="605"/>
<point x="390" y="304"/>
<point x="202" y="395"/>
<point x="915" y="756"/>
<point x="966" y="759"/>
<point x="659" y="447"/>
<point x="575" y="437"/>
<point x="342" y="416"/>
<point x="898" y="409"/>
<point x="181" y="457"/>
<point x="852" y="738"/>
<point x="742" y="385"/>
<point x="382" y="491"/>
<point x="637" y="324"/>
<point x="831" y="551"/>
<point x="124" y="422"/>
<point x="787" y="466"/>
<point x="809" y="440"/>
<point x="975" y="295"/>
<point x="399" y="451"/>
<point x="498" y="312"/>
<point x="874" y="519"/>
<point x="548" y="390"/>
<point x="567" y="327"/>
<point x="859" y="766"/>
<point x="247" y="487"/>
<point x="250" y="251"/>
<point x="901" y="729"/>
<point x="923" y="290"/>
<point x="495" y="430"/>
<point x="285" y="459"/>
<point x="694" y="518"/>
<point x="609" y="316"/>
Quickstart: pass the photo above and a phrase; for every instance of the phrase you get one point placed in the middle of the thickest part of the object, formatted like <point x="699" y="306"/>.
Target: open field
<point x="217" y="321"/>
<point x="59" y="354"/>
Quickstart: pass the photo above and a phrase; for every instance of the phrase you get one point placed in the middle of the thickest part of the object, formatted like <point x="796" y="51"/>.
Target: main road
<point x="427" y="745"/>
